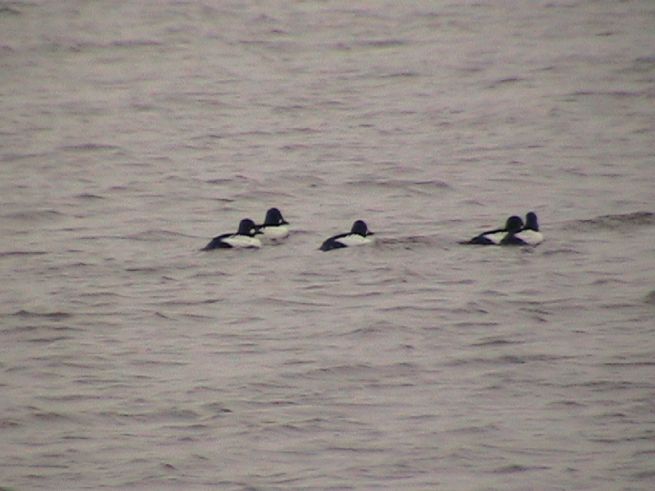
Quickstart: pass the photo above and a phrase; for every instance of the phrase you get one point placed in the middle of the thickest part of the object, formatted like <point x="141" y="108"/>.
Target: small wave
<point x="494" y="342"/>
<point x="367" y="331"/>
<point x="208" y="274"/>
<point x="609" y="385"/>
<point x="88" y="196"/>
<point x="621" y="94"/>
<point x="155" y="235"/>
<point x="83" y="46"/>
<point x="380" y="43"/>
<point x="12" y="157"/>
<point x="419" y="187"/>
<point x="143" y="269"/>
<point x="48" y="315"/>
<point x="49" y="416"/>
<point x="632" y="364"/>
<point x="48" y="339"/>
<point x="48" y="331"/>
<point x="338" y="370"/>
<point x="197" y="317"/>
<point x="34" y="215"/>
<point x="621" y="221"/>
<point x="401" y="74"/>
<point x="220" y="181"/>
<point x="646" y="59"/>
<point x="505" y="359"/>
<point x="474" y="429"/>
<point x="561" y="251"/>
<point x="187" y="303"/>
<point x="514" y="468"/>
<point x="566" y="403"/>
<point x="406" y="242"/>
<point x="133" y="43"/>
<point x="216" y="408"/>
<point x="278" y="301"/>
<point x="505" y="81"/>
<point x="7" y="424"/>
<point x="650" y="298"/>
<point x="7" y="10"/>
<point x="89" y="147"/>
<point x="21" y="253"/>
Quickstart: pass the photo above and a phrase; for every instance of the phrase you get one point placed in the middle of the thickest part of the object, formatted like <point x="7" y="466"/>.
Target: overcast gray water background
<point x="133" y="132"/>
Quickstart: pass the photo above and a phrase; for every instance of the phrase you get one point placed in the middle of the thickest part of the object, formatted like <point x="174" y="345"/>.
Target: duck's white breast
<point x="530" y="237"/>
<point x="240" y="241"/>
<point x="275" y="233"/>
<point x="354" y="240"/>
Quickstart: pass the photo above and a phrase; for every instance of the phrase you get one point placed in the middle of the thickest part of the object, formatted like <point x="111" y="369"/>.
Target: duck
<point x="274" y="227"/>
<point x="514" y="226"/>
<point x="495" y="237"/>
<point x="530" y="233"/>
<point x="244" y="238"/>
<point x="359" y="235"/>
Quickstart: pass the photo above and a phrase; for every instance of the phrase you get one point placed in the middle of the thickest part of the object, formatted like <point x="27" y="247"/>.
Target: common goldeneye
<point x="245" y="237"/>
<point x="530" y="233"/>
<point x="494" y="237"/>
<point x="274" y="227"/>
<point x="359" y="235"/>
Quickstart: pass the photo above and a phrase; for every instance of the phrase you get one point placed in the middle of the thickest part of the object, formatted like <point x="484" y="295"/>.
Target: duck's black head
<point x="247" y="227"/>
<point x="514" y="224"/>
<point x="531" y="221"/>
<point x="274" y="217"/>
<point x="359" y="227"/>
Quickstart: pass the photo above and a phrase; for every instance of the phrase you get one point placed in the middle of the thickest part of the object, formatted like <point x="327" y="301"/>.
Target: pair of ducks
<point x="275" y="229"/>
<point x="514" y="233"/>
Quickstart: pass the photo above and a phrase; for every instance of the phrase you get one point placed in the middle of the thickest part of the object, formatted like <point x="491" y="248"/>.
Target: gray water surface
<point x="133" y="132"/>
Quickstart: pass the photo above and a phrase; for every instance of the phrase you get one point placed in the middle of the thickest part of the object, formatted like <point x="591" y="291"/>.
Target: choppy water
<point x="132" y="132"/>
